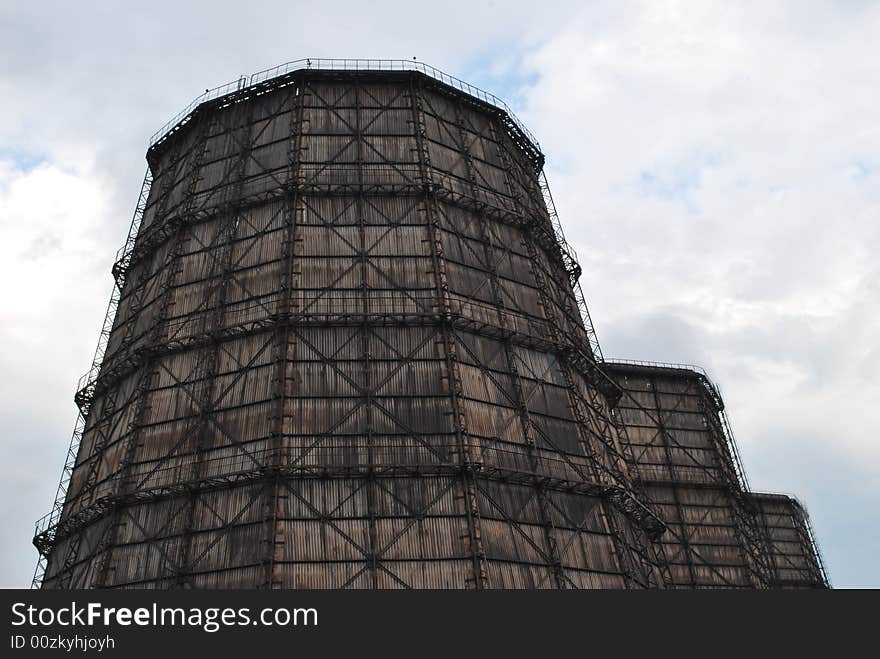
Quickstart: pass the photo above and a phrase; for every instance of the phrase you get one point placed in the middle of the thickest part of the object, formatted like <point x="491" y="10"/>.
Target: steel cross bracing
<point x="204" y="369"/>
<point x="631" y="505"/>
<point x="106" y="422"/>
<point x="714" y="394"/>
<point x="683" y="537"/>
<point x="518" y="398"/>
<point x="274" y="538"/>
<point x="116" y="372"/>
<point x="147" y="243"/>
<point x="154" y="239"/>
<point x="129" y="255"/>
<point x="741" y="521"/>
<point x="291" y="466"/>
<point x="749" y="543"/>
<point x="171" y="335"/>
<point x="781" y="560"/>
<point x="109" y="420"/>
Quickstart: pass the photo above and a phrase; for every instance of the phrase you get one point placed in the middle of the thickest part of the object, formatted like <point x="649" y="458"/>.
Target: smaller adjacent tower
<point x="684" y="457"/>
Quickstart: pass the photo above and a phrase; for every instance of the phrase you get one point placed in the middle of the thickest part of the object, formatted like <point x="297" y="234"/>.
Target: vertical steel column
<point x="469" y="462"/>
<point x="274" y="537"/>
<point x="363" y="328"/>
<point x="205" y="369"/>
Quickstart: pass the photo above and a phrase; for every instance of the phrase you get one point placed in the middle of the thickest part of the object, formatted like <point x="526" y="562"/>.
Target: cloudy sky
<point x="716" y="168"/>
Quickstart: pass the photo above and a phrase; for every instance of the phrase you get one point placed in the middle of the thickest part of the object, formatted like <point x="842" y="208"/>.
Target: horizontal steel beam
<point x="619" y="497"/>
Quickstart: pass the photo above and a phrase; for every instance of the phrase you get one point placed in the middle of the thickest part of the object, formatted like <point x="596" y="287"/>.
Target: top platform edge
<point x="354" y="65"/>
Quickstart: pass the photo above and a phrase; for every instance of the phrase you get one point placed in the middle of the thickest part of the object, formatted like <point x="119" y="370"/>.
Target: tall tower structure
<point x="347" y="349"/>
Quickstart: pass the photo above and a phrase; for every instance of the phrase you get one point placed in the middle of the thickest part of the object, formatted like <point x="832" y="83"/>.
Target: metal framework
<point x="346" y="348"/>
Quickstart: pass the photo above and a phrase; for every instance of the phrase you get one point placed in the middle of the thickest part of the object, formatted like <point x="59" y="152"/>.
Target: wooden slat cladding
<point x="341" y="359"/>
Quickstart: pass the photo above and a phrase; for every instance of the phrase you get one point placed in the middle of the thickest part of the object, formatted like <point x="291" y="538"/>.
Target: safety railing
<point x="265" y="75"/>
<point x="572" y="266"/>
<point x="85" y="390"/>
<point x="85" y="386"/>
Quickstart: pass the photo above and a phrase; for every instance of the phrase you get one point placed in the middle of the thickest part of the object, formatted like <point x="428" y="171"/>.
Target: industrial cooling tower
<point x="347" y="349"/>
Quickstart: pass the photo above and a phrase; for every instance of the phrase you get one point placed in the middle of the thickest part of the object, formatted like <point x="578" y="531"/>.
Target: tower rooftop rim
<point x="667" y="368"/>
<point x="273" y="76"/>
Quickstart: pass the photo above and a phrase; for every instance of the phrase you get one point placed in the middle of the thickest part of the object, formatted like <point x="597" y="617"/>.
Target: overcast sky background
<point x="717" y="169"/>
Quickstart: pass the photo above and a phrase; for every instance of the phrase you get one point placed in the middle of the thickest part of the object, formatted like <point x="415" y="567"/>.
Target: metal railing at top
<point x="244" y="82"/>
<point x="640" y="362"/>
<point x="699" y="370"/>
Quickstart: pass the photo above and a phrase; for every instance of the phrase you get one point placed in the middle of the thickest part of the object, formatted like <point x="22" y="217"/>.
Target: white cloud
<point x="55" y="257"/>
<point x="716" y="168"/>
<point x="54" y="260"/>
